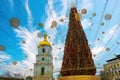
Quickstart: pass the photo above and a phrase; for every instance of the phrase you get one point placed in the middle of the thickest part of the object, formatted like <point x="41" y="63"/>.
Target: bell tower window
<point x="42" y="71"/>
<point x="43" y="50"/>
<point x="43" y="59"/>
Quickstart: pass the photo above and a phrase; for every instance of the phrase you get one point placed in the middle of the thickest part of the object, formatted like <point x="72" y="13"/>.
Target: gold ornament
<point x="77" y="17"/>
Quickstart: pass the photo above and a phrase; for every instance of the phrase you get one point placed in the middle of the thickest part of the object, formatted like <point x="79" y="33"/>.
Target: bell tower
<point x="43" y="68"/>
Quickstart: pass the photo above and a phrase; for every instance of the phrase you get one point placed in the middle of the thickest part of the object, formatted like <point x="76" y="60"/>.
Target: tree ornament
<point x="14" y="22"/>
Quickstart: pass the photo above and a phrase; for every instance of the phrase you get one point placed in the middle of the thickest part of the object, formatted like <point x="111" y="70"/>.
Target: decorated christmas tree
<point x="77" y="59"/>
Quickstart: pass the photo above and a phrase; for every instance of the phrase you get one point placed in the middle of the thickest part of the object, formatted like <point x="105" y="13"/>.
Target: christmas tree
<point x="77" y="59"/>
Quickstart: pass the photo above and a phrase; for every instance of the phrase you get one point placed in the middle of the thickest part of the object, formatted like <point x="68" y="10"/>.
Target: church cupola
<point x="44" y="42"/>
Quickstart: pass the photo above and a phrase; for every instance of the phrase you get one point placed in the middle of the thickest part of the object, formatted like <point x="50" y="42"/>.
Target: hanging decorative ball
<point x="54" y="24"/>
<point x="94" y="55"/>
<point x="53" y="44"/>
<point x="90" y="18"/>
<point x="107" y="49"/>
<point x="26" y="56"/>
<point x="84" y="11"/>
<point x="103" y="32"/>
<point x="94" y="14"/>
<point x="40" y="24"/>
<point x="55" y="58"/>
<point x="14" y="62"/>
<point x="31" y="69"/>
<point x="102" y="24"/>
<point x="23" y="42"/>
<point x="59" y="48"/>
<point x="108" y="16"/>
<point x="61" y="20"/>
<point x="77" y="17"/>
<point x="58" y="32"/>
<point x="49" y="37"/>
<point x="39" y="35"/>
<point x="2" y="47"/>
<point x="51" y="26"/>
<point x="118" y="43"/>
<point x="91" y="24"/>
<point x="98" y="39"/>
<point x="90" y="29"/>
<point x="14" y="22"/>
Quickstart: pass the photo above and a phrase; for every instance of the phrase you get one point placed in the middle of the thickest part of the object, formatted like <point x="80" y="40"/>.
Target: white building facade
<point x="43" y="68"/>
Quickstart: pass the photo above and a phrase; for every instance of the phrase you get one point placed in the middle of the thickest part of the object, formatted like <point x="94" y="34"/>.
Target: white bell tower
<point x="43" y="68"/>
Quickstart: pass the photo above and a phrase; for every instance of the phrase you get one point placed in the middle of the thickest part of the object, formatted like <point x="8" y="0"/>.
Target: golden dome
<point x="44" y="42"/>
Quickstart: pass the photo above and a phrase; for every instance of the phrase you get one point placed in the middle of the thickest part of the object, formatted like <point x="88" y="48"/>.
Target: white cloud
<point x="86" y="23"/>
<point x="30" y="18"/>
<point x="11" y="3"/>
<point x="87" y="4"/>
<point x="22" y="67"/>
<point x="4" y="56"/>
<point x="111" y="34"/>
<point x="96" y="51"/>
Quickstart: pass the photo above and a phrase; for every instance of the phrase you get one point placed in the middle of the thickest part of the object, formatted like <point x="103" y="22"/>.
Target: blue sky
<point x="32" y="12"/>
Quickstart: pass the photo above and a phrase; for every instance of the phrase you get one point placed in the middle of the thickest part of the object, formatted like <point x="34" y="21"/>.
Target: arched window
<point x="42" y="71"/>
<point x="43" y="59"/>
<point x="43" y="50"/>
